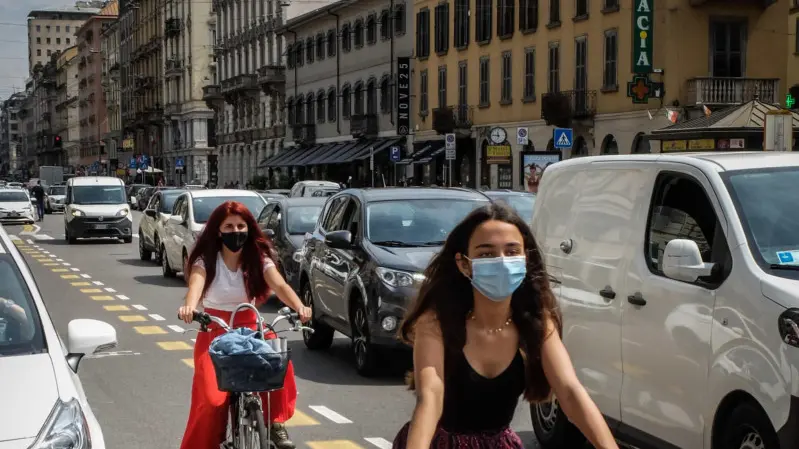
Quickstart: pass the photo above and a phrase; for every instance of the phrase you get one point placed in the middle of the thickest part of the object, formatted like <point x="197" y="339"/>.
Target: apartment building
<point x="109" y="46"/>
<point x="91" y="98"/>
<point x="343" y="64"/>
<point x="792" y="73"/>
<point x="27" y="149"/>
<point x="189" y="66"/>
<point x="10" y="147"/>
<point x="43" y="96"/>
<point x="53" y="30"/>
<point x="67" y="120"/>
<point x="142" y="77"/>
<point x="612" y="71"/>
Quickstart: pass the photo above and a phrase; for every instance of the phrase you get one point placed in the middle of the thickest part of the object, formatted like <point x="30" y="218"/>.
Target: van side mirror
<point x="682" y="261"/>
<point x="339" y="239"/>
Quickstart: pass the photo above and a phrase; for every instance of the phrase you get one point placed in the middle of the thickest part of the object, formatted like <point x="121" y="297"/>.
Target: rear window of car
<point x="20" y="326"/>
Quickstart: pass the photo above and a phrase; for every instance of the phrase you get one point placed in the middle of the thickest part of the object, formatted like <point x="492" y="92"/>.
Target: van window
<point x="681" y="209"/>
<point x="98" y="194"/>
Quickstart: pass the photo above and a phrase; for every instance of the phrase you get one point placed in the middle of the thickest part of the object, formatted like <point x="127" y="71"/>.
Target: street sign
<point x="179" y="163"/>
<point x="563" y="138"/>
<point x="449" y="141"/>
<point x="396" y="154"/>
<point x="521" y="136"/>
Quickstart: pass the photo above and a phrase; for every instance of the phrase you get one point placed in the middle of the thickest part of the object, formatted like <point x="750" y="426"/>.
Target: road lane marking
<point x="64" y="263"/>
<point x="176" y="328"/>
<point x="44" y="237"/>
<point x="58" y="270"/>
<point x="80" y="284"/>
<point x="90" y="290"/>
<point x="194" y="340"/>
<point x="333" y="444"/>
<point x="59" y="260"/>
<point x="123" y="297"/>
<point x="139" y="307"/>
<point x="97" y="283"/>
<point x="382" y="443"/>
<point x="103" y="298"/>
<point x="116" y="308"/>
<point x="75" y="269"/>
<point x="330" y="414"/>
<point x="136" y="235"/>
<point x="149" y="330"/>
<point x="84" y="275"/>
<point x="51" y="265"/>
<point x="110" y="290"/>
<point x="69" y="276"/>
<point x="300" y="419"/>
<point x="190" y="364"/>
<point x="132" y="318"/>
<point x="157" y="317"/>
<point x="30" y="242"/>
<point x="174" y="346"/>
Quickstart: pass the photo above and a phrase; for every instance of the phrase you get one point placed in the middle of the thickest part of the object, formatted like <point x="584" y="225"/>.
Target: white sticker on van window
<point x="406" y="223"/>
<point x="788" y="257"/>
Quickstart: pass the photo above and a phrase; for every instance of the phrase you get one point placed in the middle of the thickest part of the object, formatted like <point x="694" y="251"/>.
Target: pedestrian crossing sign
<point x="563" y="138"/>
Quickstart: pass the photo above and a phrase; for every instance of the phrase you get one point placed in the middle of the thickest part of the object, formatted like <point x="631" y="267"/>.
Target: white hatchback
<point x="44" y="405"/>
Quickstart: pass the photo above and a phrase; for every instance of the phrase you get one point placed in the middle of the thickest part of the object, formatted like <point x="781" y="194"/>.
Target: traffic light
<point x="57" y="142"/>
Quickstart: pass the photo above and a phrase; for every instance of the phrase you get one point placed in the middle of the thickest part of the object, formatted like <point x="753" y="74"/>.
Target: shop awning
<point x="312" y="153"/>
<point x="335" y="153"/>
<point x="436" y="147"/>
<point x="349" y="154"/>
<point x="330" y="149"/>
<point x="425" y="150"/>
<point x="274" y="161"/>
<point x="380" y="145"/>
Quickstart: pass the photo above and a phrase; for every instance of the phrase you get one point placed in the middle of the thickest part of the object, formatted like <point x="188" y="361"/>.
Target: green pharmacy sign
<point x="790" y="101"/>
<point x="643" y="24"/>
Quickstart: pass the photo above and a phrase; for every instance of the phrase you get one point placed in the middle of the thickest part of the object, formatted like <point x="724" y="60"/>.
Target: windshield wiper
<point x="433" y="243"/>
<point x="394" y="243"/>
<point x="776" y="266"/>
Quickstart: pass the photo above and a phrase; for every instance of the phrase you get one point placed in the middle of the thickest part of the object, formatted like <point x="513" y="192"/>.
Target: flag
<point x="707" y="111"/>
<point x="672" y="115"/>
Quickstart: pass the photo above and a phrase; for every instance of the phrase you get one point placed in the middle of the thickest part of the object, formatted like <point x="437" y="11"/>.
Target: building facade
<point x="111" y="90"/>
<point x="53" y="30"/>
<point x="91" y="97"/>
<point x="11" y="155"/>
<point x="28" y="142"/>
<point x="44" y="101"/>
<point x="67" y="122"/>
<point x="599" y="67"/>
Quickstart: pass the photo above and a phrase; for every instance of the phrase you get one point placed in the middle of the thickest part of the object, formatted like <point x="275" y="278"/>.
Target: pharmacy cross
<point x="639" y="89"/>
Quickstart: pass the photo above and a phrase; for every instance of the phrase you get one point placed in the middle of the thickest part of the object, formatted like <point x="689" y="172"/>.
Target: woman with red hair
<point x="231" y="264"/>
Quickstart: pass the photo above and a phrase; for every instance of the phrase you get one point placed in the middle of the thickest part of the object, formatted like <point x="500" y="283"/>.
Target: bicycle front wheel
<point x="252" y="431"/>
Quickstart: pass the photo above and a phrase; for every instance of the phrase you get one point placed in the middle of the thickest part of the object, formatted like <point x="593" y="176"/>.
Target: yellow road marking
<point x="41" y="257"/>
<point x="69" y="276"/>
<point x="58" y="270"/>
<point x="335" y="444"/>
<point x="149" y="330"/>
<point x="81" y="284"/>
<point x="90" y="290"/>
<point x="48" y="260"/>
<point x="27" y="228"/>
<point x="119" y="308"/>
<point x="103" y="298"/>
<point x="190" y="364"/>
<point x="132" y="318"/>
<point x="300" y="419"/>
<point x="51" y="264"/>
<point x="174" y="346"/>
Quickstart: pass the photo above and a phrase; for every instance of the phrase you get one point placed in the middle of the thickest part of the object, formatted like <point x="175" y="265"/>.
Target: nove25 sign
<point x="643" y="25"/>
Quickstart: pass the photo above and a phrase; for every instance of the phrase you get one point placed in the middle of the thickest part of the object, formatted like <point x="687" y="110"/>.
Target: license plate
<point x="101" y="226"/>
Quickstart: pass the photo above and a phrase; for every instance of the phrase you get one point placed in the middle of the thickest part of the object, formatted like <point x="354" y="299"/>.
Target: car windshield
<point x="20" y="330"/>
<point x="135" y="189"/>
<point x="98" y="195"/>
<point x="769" y="219"/>
<point x="522" y="204"/>
<point x="302" y="219"/>
<point x="413" y="222"/>
<point x="320" y="191"/>
<point x="60" y="190"/>
<point x="205" y="205"/>
<point x="13" y="197"/>
<point x="168" y="200"/>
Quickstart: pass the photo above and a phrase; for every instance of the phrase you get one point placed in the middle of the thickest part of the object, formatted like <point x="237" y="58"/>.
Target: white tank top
<point x="227" y="290"/>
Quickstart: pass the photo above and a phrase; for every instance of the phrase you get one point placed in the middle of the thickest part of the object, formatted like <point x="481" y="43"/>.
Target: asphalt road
<point x="141" y="392"/>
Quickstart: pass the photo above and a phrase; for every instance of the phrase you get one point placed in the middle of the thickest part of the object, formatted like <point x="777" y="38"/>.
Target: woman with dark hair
<point x="231" y="264"/>
<point x="485" y="329"/>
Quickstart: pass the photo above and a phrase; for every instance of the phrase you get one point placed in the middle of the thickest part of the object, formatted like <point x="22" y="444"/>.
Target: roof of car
<point x="172" y="191"/>
<point x="300" y="200"/>
<point x="215" y="193"/>
<point x="11" y="189"/>
<point x="402" y="193"/>
<point x="506" y="192"/>
<point x="95" y="180"/>
<point x="716" y="160"/>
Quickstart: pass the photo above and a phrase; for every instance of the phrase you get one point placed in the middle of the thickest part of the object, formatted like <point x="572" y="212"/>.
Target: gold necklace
<point x="495" y="330"/>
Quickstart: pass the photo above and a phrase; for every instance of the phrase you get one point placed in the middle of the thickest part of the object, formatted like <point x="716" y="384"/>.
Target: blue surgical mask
<point x="498" y="277"/>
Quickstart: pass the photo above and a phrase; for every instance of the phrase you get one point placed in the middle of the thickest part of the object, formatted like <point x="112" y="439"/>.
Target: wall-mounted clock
<point x="498" y="135"/>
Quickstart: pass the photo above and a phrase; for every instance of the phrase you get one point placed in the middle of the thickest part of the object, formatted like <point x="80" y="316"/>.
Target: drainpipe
<point x="391" y="59"/>
<point x="338" y="71"/>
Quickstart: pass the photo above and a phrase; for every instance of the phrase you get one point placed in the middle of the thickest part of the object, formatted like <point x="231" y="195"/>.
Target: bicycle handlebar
<point x="283" y="314"/>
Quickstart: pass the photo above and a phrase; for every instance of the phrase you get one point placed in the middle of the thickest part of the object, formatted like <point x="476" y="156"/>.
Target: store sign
<point x="643" y="24"/>
<point x="498" y="154"/>
<point x="403" y="96"/>
<point x="702" y="144"/>
<point x="673" y="145"/>
<point x="731" y="144"/>
<point x="505" y="176"/>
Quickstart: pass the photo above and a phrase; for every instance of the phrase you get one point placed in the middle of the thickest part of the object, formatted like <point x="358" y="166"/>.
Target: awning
<point x="276" y="161"/>
<point x="311" y="154"/>
<point x="334" y="154"/>
<point x="325" y="152"/>
<point x="427" y="148"/>
<point x="436" y="147"/>
<point x="379" y="146"/>
<point x="300" y="154"/>
<point x="346" y="155"/>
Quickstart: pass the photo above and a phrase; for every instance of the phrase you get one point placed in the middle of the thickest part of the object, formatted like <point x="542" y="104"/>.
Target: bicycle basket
<point x="251" y="372"/>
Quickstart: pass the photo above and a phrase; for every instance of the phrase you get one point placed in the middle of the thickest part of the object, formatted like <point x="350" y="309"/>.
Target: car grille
<point x="101" y="219"/>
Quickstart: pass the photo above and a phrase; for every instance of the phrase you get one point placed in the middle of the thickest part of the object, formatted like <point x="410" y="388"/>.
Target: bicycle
<point x="246" y="428"/>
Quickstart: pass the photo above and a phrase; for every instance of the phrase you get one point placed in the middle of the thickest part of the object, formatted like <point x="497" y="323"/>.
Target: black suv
<point x="365" y="259"/>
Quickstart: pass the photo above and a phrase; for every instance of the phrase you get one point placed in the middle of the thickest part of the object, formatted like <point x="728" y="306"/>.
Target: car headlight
<point x="298" y="255"/>
<point x="65" y="428"/>
<point x="122" y="213"/>
<point x="396" y="278"/>
<point x="77" y="213"/>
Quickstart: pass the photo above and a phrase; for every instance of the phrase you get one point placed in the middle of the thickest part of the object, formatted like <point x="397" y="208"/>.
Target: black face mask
<point x="234" y="240"/>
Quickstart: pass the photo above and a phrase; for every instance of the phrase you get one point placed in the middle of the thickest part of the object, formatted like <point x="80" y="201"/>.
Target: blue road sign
<point x="396" y="154"/>
<point x="132" y="163"/>
<point x="143" y="166"/>
<point x="563" y="137"/>
<point x="145" y="159"/>
<point x="179" y="163"/>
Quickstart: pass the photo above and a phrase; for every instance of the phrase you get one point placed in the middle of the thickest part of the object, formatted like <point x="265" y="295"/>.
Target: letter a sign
<point x="643" y="24"/>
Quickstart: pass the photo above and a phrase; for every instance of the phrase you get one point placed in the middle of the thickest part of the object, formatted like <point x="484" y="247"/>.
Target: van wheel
<point x="552" y="428"/>
<point x="749" y="428"/>
<point x="165" y="268"/>
<point x="322" y="337"/>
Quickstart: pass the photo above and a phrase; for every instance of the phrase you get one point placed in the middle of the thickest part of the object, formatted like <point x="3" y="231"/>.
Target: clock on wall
<point x="497" y="135"/>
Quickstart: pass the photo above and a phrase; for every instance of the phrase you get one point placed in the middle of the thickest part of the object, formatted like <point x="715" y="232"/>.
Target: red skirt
<point x="208" y="414"/>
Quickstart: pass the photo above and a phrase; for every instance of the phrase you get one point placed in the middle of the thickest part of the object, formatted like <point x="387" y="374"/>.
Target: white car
<point x="308" y="188"/>
<point x="16" y="207"/>
<point x="54" y="199"/>
<point x="152" y="222"/>
<point x="44" y="405"/>
<point x="678" y="280"/>
<point x="189" y="214"/>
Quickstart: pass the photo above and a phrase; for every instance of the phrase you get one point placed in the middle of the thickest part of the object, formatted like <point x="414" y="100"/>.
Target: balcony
<point x="240" y="85"/>
<point x="271" y="77"/>
<point x="172" y="27"/>
<point x="212" y="95"/>
<point x="713" y="91"/>
<point x="451" y="118"/>
<point x="173" y="68"/>
<point x="364" y="125"/>
<point x="303" y="134"/>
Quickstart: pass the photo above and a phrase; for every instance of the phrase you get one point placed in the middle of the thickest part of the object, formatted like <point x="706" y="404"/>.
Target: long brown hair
<point x="255" y="249"/>
<point x="449" y="295"/>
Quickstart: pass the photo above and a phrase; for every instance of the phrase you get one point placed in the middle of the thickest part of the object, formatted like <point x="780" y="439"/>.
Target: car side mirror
<point x="682" y="261"/>
<point x="150" y="213"/>
<point x="339" y="239"/>
<point x="176" y="219"/>
<point x="87" y="337"/>
<point x="269" y="233"/>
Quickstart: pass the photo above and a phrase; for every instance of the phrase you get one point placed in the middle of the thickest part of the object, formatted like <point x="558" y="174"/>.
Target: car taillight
<point x="789" y="327"/>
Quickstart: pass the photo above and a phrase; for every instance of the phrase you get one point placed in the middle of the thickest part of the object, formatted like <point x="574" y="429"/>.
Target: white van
<point x="309" y="188"/>
<point x="678" y="280"/>
<point x="96" y="206"/>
